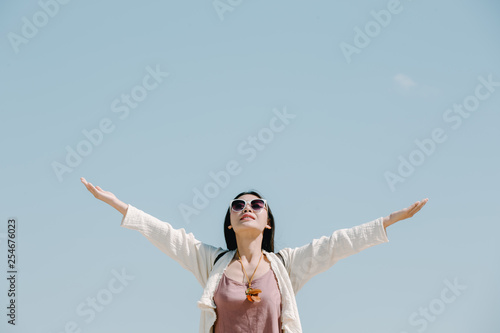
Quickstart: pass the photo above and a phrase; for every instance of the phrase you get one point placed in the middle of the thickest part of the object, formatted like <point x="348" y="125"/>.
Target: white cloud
<point x="404" y="81"/>
<point x="406" y="86"/>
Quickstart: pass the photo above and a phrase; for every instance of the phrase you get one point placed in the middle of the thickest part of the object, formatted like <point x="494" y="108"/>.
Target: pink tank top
<point x="236" y="314"/>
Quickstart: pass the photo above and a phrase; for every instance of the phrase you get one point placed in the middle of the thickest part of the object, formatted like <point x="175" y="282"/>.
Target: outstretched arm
<point x="181" y="246"/>
<point x="404" y="213"/>
<point x="319" y="255"/>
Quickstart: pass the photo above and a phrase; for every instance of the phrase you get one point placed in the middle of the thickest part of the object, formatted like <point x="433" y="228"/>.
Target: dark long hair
<point x="268" y="237"/>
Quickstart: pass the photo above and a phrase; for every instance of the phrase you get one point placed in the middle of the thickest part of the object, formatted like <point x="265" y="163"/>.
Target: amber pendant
<point x="252" y="294"/>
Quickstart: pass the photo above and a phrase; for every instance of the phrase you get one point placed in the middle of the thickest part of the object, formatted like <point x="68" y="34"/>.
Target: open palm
<point x="408" y="212"/>
<point x="99" y="193"/>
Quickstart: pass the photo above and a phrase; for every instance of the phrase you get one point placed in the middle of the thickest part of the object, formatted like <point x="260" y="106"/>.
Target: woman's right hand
<point x="105" y="196"/>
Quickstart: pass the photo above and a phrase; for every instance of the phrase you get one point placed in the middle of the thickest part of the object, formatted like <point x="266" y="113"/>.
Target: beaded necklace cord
<point x="251" y="293"/>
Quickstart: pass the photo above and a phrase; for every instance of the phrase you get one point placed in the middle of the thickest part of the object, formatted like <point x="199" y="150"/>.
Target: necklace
<point x="251" y="293"/>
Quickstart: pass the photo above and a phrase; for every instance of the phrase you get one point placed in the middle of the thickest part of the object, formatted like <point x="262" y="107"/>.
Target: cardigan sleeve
<point x="190" y="253"/>
<point x="302" y="263"/>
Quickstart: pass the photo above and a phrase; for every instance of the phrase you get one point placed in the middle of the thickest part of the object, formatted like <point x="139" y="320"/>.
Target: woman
<point x="249" y="288"/>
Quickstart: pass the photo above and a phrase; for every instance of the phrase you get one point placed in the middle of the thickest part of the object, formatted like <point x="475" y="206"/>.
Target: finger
<point x="413" y="208"/>
<point x="89" y="188"/>
<point x="100" y="189"/>
<point x="422" y="204"/>
<point x="92" y="188"/>
<point x="87" y="184"/>
<point x="418" y="207"/>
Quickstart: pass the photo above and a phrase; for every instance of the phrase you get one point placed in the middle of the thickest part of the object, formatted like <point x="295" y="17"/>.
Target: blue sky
<point x="337" y="113"/>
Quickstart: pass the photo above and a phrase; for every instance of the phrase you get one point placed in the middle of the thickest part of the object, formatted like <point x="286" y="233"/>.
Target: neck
<point x="249" y="248"/>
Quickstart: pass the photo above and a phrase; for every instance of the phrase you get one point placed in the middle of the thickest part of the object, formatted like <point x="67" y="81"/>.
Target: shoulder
<point x="278" y="256"/>
<point x="285" y="253"/>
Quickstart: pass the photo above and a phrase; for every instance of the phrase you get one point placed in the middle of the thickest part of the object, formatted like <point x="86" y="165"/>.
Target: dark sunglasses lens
<point x="258" y="204"/>
<point x="238" y="205"/>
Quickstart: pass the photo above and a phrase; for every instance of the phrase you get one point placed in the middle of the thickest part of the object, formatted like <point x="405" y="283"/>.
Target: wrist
<point x="387" y="221"/>
<point x="120" y="206"/>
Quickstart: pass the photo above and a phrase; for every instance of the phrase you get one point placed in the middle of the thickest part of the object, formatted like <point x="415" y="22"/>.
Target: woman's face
<point x="257" y="221"/>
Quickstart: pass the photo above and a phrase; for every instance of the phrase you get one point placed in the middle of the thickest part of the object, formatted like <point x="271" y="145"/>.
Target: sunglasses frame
<point x="247" y="202"/>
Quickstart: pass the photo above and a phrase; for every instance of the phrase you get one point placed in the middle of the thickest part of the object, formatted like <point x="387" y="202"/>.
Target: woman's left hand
<point x="404" y="213"/>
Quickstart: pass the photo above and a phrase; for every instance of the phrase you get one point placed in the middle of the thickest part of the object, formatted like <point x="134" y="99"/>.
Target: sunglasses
<point x="237" y="205"/>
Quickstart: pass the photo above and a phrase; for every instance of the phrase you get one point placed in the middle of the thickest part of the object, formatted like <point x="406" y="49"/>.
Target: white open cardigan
<point x="301" y="263"/>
